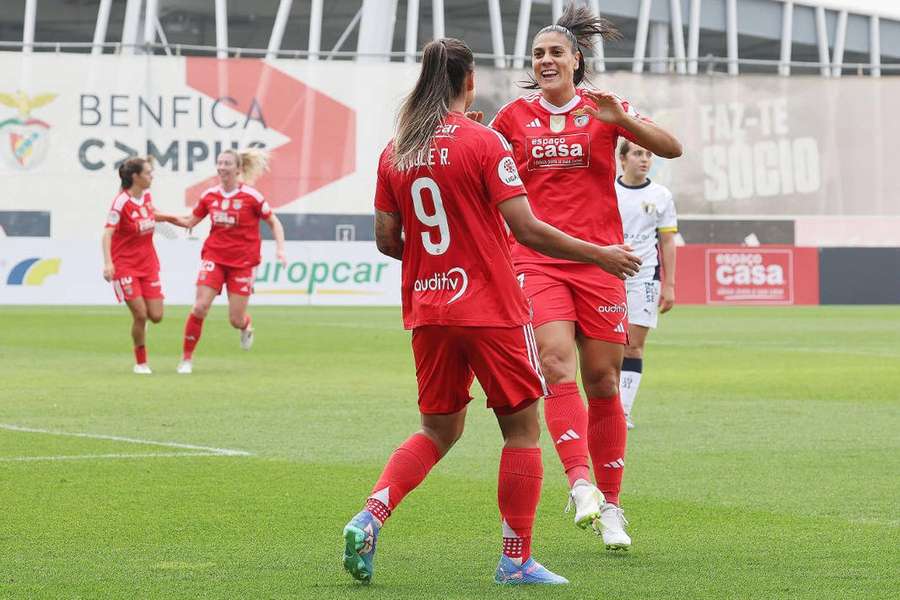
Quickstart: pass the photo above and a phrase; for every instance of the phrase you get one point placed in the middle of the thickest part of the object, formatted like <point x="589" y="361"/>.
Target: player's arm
<point x="173" y="219"/>
<point x="667" y="256"/>
<point x="646" y="133"/>
<point x="109" y="270"/>
<point x="389" y="234"/>
<point x="550" y="241"/>
<point x="278" y="233"/>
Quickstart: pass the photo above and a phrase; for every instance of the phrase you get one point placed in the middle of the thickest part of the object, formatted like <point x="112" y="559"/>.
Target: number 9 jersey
<point x="457" y="268"/>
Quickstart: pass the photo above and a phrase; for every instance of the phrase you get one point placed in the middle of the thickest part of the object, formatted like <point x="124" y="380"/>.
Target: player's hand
<point x="475" y="115"/>
<point x="667" y="298"/>
<point x="608" y="107"/>
<point x="281" y="256"/>
<point x="109" y="272"/>
<point x="618" y="260"/>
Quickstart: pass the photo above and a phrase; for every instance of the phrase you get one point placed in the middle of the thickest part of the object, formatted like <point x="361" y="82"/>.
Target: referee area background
<point x="765" y="460"/>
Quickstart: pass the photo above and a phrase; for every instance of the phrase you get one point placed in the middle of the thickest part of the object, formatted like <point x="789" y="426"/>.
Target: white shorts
<point x="643" y="302"/>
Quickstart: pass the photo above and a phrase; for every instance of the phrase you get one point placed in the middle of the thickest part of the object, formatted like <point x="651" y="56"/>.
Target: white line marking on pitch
<point x="105" y="456"/>
<point x="201" y="450"/>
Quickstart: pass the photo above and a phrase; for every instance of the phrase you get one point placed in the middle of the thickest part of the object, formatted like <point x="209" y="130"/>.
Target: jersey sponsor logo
<point x="113" y="217"/>
<point x="455" y="280"/>
<point x="146" y="225"/>
<point x="224" y="219"/>
<point x="570" y="151"/>
<point x="508" y="173"/>
<point x="534" y="123"/>
<point x="445" y="131"/>
<point x="27" y="139"/>
<point x="557" y="123"/>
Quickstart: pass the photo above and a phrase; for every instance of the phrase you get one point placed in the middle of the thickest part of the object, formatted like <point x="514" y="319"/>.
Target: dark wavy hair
<point x="580" y="27"/>
<point x="129" y="168"/>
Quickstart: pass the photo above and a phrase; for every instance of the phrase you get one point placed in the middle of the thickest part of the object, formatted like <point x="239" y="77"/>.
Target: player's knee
<point x="634" y="351"/>
<point x="601" y="383"/>
<point x="556" y="368"/>
<point x="155" y="317"/>
<point x="139" y="315"/>
<point x="200" y="310"/>
<point x="237" y="321"/>
<point x="445" y="437"/>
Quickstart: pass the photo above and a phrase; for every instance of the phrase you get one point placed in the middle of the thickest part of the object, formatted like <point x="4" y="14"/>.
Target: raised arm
<point x="646" y="133"/>
<point x="278" y="233"/>
<point x="389" y="234"/>
<point x="550" y="241"/>
<point x="109" y="270"/>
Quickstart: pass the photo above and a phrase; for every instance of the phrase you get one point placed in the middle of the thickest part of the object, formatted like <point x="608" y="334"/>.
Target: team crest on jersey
<point x="648" y="207"/>
<point x="557" y="123"/>
<point x="26" y="139"/>
<point x="237" y="204"/>
<point x="225" y="204"/>
<point x="581" y="118"/>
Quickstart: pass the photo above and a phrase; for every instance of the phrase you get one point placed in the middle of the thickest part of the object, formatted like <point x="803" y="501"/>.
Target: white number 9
<point x="438" y="219"/>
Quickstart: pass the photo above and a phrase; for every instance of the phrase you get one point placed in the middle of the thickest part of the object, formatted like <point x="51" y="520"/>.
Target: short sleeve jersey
<point x="567" y="161"/>
<point x="646" y="209"/>
<point x="133" y="223"/>
<point x="456" y="267"/>
<point x="234" y="234"/>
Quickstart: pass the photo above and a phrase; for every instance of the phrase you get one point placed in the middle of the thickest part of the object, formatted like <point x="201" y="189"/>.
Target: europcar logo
<point x="33" y="271"/>
<point x="25" y="140"/>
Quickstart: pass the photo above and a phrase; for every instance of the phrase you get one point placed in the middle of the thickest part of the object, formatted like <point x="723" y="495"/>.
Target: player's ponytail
<point x="445" y="64"/>
<point x="129" y="168"/>
<point x="581" y="27"/>
<point x="251" y="163"/>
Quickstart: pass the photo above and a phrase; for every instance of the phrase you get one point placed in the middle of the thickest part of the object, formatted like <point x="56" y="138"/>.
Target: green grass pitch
<point x="765" y="463"/>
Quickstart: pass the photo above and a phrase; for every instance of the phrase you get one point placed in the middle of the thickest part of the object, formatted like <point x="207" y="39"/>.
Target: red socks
<point x="140" y="355"/>
<point x="606" y="439"/>
<point x="518" y="493"/>
<point x="567" y="421"/>
<point x="192" y="329"/>
<point x="405" y="469"/>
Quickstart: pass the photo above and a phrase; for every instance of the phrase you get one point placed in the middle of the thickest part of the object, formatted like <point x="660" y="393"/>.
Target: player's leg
<point x="632" y="367"/>
<point x="193" y="326"/>
<point x="240" y="286"/>
<point x="138" y="308"/>
<point x="607" y="432"/>
<point x="444" y="378"/>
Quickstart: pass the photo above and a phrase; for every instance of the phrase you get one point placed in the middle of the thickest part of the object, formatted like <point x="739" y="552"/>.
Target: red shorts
<point x="129" y="287"/>
<point x="239" y="280"/>
<point x="504" y="359"/>
<point x="583" y="293"/>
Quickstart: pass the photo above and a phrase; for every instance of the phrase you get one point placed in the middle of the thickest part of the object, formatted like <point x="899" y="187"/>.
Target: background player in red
<point x="564" y="142"/>
<point x="445" y="186"/>
<point x="129" y="257"/>
<point x="232" y="250"/>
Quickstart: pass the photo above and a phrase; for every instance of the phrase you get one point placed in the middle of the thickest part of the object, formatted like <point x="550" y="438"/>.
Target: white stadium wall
<point x="811" y="150"/>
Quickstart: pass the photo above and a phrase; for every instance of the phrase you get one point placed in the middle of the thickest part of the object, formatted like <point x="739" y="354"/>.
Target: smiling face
<point x="227" y="168"/>
<point x="554" y="63"/>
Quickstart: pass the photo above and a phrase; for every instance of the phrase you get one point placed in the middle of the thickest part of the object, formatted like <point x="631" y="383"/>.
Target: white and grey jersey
<point x="646" y="209"/>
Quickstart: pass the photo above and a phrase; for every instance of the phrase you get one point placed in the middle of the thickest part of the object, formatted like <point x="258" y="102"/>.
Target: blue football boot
<point x="360" y="537"/>
<point x="531" y="572"/>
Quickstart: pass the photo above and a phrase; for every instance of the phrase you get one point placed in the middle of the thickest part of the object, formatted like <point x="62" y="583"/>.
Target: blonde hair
<point x="251" y="163"/>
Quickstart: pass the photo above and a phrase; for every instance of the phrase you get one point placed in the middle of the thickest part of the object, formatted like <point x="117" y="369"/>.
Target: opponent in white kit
<point x="650" y="224"/>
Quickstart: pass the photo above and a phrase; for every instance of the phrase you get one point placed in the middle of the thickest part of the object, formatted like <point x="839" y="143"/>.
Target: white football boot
<point x="185" y="367"/>
<point x="612" y="524"/>
<point x="587" y="500"/>
<point x="142" y="369"/>
<point x="247" y="338"/>
<point x="628" y="422"/>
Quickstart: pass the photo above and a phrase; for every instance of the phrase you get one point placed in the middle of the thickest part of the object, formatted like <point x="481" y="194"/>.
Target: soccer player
<point x="564" y="142"/>
<point x="129" y="257"/>
<point x="231" y="252"/>
<point x="445" y="186"/>
<point x="648" y="217"/>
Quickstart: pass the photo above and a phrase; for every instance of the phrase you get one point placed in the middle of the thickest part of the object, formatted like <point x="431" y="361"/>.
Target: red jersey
<point x="133" y="223"/>
<point x="567" y="160"/>
<point x="457" y="268"/>
<point x="234" y="236"/>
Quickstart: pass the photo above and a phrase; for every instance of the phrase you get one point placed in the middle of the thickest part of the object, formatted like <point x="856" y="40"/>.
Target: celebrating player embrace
<point x="129" y="256"/>
<point x="564" y="142"/>
<point x="232" y="250"/>
<point x="445" y="186"/>
<point x="648" y="217"/>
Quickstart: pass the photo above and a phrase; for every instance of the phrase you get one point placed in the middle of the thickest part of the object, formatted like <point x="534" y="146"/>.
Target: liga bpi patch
<point x="567" y="151"/>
